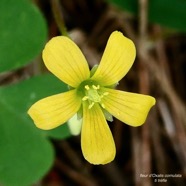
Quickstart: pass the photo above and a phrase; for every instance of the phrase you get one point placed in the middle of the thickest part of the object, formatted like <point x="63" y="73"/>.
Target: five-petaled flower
<point x="92" y="94"/>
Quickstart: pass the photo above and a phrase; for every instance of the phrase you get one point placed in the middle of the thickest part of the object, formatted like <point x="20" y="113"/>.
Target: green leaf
<point x="168" y="13"/>
<point x="25" y="154"/>
<point x="23" y="33"/>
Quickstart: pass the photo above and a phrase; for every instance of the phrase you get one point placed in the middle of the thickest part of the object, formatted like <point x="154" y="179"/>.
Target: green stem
<point x="58" y="16"/>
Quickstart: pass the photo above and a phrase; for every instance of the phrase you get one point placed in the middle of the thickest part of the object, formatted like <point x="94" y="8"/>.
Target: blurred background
<point x="153" y="154"/>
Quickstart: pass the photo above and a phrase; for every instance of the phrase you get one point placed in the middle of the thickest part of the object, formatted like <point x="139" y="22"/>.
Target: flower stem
<point x="58" y="16"/>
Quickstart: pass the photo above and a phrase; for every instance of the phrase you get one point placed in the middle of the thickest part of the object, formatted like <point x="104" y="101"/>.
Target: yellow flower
<point x="91" y="94"/>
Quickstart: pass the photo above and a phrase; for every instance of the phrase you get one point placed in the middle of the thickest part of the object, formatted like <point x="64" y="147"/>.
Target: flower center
<point x="93" y="94"/>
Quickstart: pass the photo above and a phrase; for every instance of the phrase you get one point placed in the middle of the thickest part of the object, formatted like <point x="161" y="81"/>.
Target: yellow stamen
<point x="96" y="87"/>
<point x="87" y="87"/>
<point x="85" y="98"/>
<point x="105" y="93"/>
<point x="91" y="105"/>
<point x="102" y="105"/>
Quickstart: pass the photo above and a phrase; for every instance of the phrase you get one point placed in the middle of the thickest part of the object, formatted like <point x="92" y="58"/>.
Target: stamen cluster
<point x="93" y="94"/>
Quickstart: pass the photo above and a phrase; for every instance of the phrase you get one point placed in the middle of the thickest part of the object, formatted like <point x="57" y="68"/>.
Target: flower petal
<point x="74" y="125"/>
<point x="96" y="138"/>
<point x="53" y="111"/>
<point x="117" y="59"/>
<point x="130" y="108"/>
<point x="66" y="61"/>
